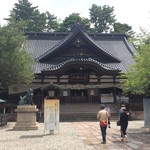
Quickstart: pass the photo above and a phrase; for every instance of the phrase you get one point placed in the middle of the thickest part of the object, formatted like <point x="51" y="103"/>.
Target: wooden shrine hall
<point x="77" y="67"/>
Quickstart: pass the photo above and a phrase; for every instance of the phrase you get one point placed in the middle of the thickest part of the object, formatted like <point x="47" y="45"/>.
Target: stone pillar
<point x="26" y="117"/>
<point x="146" y="105"/>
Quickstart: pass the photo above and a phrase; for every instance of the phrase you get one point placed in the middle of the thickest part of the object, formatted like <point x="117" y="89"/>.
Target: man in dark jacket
<point x="123" y="124"/>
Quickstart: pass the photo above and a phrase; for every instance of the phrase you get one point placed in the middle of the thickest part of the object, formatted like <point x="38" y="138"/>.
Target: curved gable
<point x="88" y="62"/>
<point x="70" y="39"/>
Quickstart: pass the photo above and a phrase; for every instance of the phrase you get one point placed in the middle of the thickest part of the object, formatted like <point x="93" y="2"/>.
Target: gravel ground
<point x="73" y="136"/>
<point x="64" y="139"/>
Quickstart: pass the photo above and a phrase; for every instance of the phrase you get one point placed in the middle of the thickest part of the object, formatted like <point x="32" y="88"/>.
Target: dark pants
<point x="103" y="131"/>
<point x="123" y="130"/>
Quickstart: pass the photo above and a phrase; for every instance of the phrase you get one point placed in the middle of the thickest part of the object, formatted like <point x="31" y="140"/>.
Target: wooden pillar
<point x="99" y="96"/>
<point x="114" y="90"/>
<point x="58" y="79"/>
<point x="99" y="79"/>
<point x="42" y="78"/>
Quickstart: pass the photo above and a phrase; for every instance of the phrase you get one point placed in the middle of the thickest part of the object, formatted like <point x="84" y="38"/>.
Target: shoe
<point x="104" y="142"/>
<point x="125" y="139"/>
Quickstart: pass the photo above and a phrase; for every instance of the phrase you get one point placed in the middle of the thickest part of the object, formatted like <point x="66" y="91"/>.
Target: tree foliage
<point x="34" y="20"/>
<point x="22" y="10"/>
<point x="37" y="23"/>
<point x="52" y="24"/>
<point x="138" y="78"/>
<point x="143" y="37"/>
<point x="123" y="28"/>
<point x="74" y="18"/>
<point x="102" y="17"/>
<point x="16" y="64"/>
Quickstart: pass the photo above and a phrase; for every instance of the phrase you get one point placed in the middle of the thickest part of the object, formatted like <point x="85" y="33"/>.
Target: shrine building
<point x="78" y="67"/>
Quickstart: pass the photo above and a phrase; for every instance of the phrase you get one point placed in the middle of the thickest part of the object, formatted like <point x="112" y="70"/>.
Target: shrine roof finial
<point x="76" y="26"/>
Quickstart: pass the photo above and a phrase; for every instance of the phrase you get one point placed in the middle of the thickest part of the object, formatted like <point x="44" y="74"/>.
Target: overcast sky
<point x="135" y="13"/>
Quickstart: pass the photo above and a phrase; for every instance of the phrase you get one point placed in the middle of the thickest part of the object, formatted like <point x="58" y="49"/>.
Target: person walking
<point x="123" y="124"/>
<point x="121" y="109"/>
<point x="103" y="116"/>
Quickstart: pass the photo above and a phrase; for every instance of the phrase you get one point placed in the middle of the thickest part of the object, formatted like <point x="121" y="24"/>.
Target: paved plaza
<point x="74" y="136"/>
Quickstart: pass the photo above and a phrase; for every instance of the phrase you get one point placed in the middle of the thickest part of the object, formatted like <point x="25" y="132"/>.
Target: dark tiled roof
<point x="71" y="36"/>
<point x="114" y="45"/>
<point x="38" y="67"/>
<point x="81" y="60"/>
<point x="119" y="49"/>
<point x="99" y="46"/>
<point x="108" y="66"/>
<point x="55" y="47"/>
<point x="38" y="47"/>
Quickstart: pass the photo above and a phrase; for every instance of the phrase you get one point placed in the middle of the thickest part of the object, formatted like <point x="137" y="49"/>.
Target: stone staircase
<point x="84" y="112"/>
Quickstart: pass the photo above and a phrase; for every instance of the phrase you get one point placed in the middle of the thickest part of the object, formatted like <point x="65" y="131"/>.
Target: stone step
<point x="85" y="112"/>
<point x="83" y="117"/>
<point x="92" y="108"/>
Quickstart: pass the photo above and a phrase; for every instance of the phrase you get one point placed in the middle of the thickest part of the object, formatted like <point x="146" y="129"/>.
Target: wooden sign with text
<point x="51" y="114"/>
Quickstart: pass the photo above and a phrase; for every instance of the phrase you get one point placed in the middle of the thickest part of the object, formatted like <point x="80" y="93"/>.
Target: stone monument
<point x="51" y="115"/>
<point x="26" y="113"/>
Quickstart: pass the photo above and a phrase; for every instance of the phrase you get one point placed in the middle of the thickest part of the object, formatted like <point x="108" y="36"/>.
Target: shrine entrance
<point x="80" y="92"/>
<point x="79" y="95"/>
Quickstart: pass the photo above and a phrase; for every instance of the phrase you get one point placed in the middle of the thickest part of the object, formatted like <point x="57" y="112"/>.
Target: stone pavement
<point x="74" y="136"/>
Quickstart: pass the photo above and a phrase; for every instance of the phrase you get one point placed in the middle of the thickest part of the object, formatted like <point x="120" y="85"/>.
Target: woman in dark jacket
<point x="124" y="125"/>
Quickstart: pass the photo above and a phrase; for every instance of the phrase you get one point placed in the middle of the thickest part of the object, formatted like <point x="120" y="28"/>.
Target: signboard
<point x="51" y="93"/>
<point x="78" y="78"/>
<point x="123" y="99"/>
<point x="107" y="98"/>
<point x="51" y="114"/>
<point x="65" y="93"/>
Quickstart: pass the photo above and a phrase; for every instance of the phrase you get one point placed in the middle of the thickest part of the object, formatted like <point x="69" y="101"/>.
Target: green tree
<point x="143" y="37"/>
<point x="37" y="23"/>
<point x="34" y="21"/>
<point x="102" y="17"/>
<point x="123" y="28"/>
<point x="74" y="18"/>
<point x="52" y="24"/>
<point x="16" y="64"/>
<point x="23" y="11"/>
<point x="138" y="78"/>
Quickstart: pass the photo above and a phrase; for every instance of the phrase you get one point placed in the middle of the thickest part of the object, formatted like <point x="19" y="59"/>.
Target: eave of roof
<point x="103" y="66"/>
